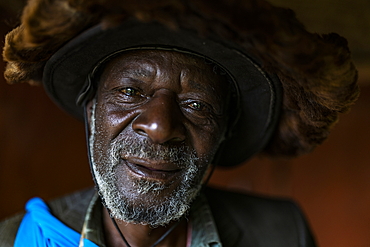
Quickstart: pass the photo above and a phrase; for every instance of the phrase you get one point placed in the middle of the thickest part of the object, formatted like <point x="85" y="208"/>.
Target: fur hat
<point x="317" y="75"/>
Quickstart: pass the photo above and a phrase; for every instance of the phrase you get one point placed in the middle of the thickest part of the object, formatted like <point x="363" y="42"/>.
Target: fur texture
<point x="317" y="74"/>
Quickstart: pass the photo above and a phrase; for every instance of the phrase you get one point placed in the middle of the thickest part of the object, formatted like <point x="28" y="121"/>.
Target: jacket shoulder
<point x="8" y="230"/>
<point x="260" y="221"/>
<point x="71" y="209"/>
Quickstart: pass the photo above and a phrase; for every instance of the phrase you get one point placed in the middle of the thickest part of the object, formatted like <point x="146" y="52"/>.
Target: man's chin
<point x="152" y="208"/>
<point x="154" y="215"/>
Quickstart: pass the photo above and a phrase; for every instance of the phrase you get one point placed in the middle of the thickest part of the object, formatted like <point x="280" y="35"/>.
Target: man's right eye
<point x="129" y="91"/>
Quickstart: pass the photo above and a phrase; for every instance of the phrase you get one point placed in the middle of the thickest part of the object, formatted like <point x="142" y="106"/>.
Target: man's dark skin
<point x="171" y="99"/>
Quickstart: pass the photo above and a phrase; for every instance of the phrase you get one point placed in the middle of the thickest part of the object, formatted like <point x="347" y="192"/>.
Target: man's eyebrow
<point x="139" y="72"/>
<point x="200" y="86"/>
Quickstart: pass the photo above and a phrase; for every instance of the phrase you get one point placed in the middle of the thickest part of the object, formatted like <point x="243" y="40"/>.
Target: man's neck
<point x="138" y="235"/>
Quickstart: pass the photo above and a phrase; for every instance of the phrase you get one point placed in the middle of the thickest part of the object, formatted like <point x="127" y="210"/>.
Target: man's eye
<point x="129" y="91"/>
<point x="198" y="106"/>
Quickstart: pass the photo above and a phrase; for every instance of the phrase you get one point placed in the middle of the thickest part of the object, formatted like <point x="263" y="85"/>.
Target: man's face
<point x="156" y="123"/>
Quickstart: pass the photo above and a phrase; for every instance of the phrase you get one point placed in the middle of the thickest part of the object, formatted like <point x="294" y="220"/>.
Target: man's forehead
<point x="140" y="59"/>
<point x="147" y="63"/>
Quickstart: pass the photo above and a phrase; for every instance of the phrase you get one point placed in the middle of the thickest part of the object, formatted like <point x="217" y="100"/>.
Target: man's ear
<point x="89" y="110"/>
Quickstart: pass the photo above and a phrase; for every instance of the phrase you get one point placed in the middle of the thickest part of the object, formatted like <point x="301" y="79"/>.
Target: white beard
<point x="128" y="205"/>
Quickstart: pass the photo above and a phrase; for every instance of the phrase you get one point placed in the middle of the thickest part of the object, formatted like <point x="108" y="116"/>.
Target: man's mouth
<point x="158" y="170"/>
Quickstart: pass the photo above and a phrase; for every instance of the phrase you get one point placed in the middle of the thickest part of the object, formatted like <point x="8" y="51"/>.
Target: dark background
<point x="43" y="153"/>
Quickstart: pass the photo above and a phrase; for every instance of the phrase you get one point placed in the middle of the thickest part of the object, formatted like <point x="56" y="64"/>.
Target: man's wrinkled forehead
<point x="141" y="62"/>
<point x="199" y="73"/>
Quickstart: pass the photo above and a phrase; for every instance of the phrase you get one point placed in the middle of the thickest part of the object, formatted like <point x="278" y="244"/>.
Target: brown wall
<point x="42" y="153"/>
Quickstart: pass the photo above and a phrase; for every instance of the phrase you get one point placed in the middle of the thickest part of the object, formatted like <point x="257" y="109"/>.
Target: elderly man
<point x="167" y="90"/>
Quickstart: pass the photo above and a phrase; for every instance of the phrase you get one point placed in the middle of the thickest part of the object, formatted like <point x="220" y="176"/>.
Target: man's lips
<point x="152" y="169"/>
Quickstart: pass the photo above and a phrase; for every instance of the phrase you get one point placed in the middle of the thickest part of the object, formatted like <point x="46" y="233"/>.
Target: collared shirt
<point x="203" y="228"/>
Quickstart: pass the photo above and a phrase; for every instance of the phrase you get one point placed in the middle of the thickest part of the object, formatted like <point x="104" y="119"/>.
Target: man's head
<point x="156" y="122"/>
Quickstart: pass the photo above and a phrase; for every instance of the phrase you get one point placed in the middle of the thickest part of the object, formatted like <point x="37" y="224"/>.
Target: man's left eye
<point x="198" y="106"/>
<point x="129" y="91"/>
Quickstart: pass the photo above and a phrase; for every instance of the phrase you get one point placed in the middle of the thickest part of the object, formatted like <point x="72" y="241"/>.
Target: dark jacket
<point x="244" y="220"/>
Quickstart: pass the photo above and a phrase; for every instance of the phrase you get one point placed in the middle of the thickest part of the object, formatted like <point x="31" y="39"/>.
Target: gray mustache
<point x="142" y="148"/>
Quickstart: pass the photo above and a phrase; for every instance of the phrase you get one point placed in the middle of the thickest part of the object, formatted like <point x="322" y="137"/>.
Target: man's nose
<point x="161" y="119"/>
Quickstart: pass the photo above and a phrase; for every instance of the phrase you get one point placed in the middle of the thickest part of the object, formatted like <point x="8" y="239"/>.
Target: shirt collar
<point x="203" y="227"/>
<point x="92" y="228"/>
<point x="204" y="230"/>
